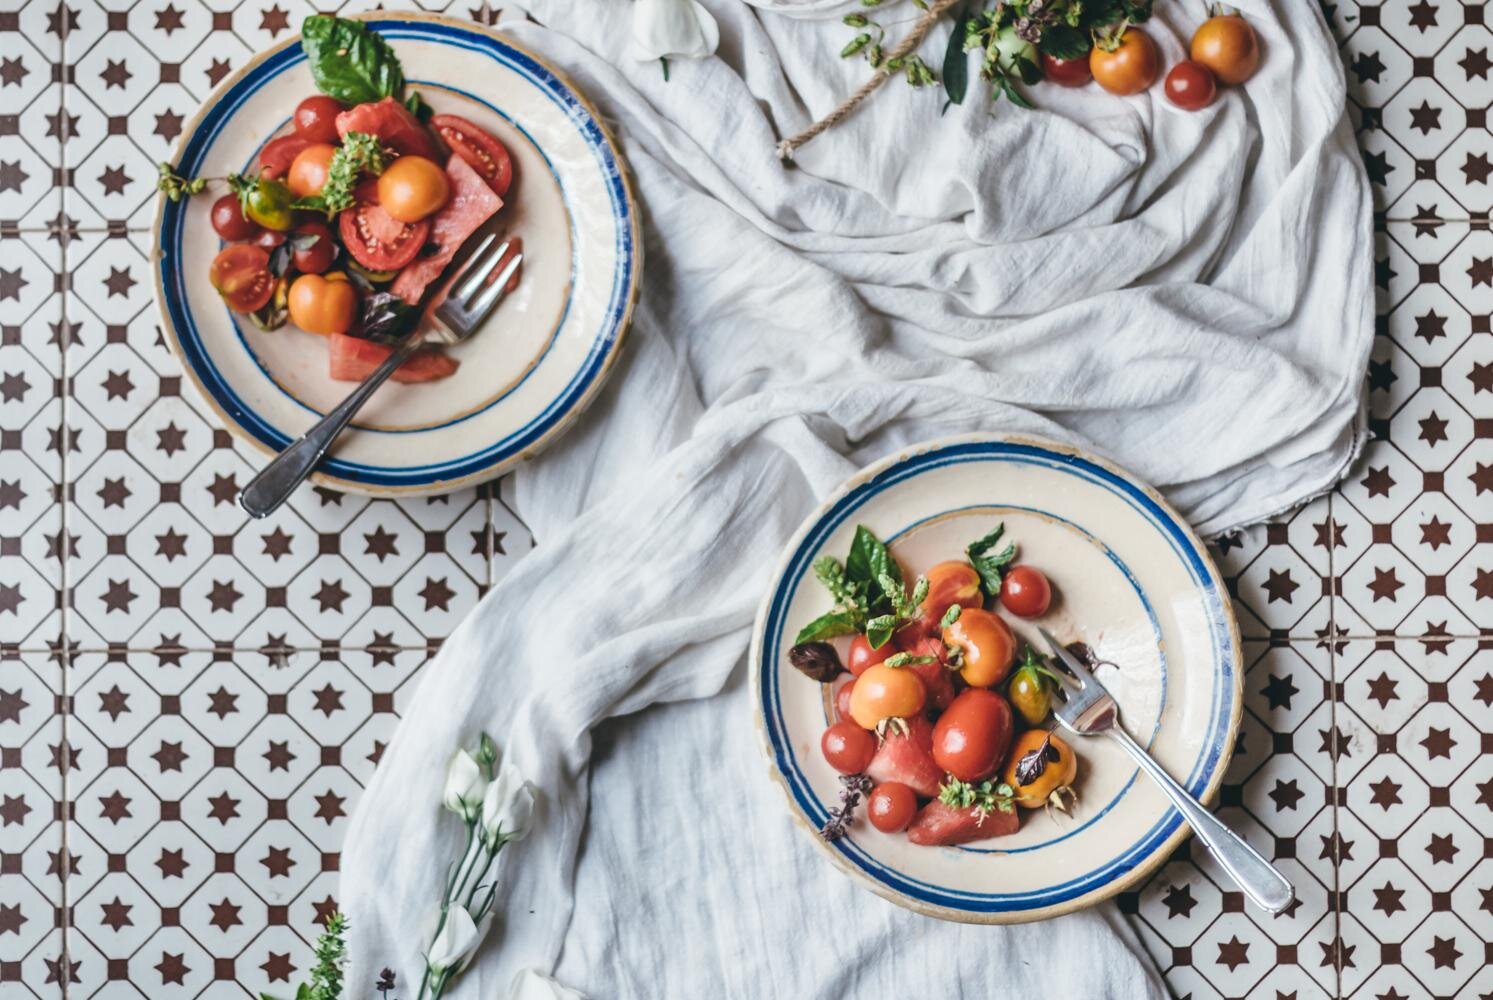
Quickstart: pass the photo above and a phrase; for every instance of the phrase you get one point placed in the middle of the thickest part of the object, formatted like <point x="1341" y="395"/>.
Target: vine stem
<point x="914" y="38"/>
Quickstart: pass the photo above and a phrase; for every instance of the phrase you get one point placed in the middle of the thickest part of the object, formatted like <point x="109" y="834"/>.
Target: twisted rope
<point x="845" y="108"/>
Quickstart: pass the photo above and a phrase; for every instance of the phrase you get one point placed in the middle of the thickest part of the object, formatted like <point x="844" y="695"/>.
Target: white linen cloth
<point x="1188" y="294"/>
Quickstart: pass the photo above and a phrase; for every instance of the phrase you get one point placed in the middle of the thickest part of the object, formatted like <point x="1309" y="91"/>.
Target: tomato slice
<point x="480" y="150"/>
<point x="278" y="154"/>
<point x="241" y="274"/>
<point x="375" y="238"/>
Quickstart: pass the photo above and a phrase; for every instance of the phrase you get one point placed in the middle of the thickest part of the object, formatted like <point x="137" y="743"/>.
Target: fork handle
<point x="1258" y="878"/>
<point x="276" y="481"/>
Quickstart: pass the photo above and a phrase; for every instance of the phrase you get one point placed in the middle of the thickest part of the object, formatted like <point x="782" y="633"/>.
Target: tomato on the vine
<point x="1073" y="72"/>
<point x="986" y="643"/>
<point x="848" y="747"/>
<point x="316" y="119"/>
<point x="229" y="221"/>
<point x="241" y="274"/>
<point x="1228" y="46"/>
<point x="1025" y="592"/>
<point x="267" y="202"/>
<point x="1128" y="66"/>
<point x="891" y="806"/>
<point x="1190" y="85"/>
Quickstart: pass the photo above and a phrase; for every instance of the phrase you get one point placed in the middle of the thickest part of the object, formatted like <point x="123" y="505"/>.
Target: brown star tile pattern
<point x="230" y="686"/>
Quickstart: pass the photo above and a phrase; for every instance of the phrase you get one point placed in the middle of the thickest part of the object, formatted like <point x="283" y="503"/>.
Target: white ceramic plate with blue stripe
<point x="540" y="358"/>
<point x="1130" y="579"/>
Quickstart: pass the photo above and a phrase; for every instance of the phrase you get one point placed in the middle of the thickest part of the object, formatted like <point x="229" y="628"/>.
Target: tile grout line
<point x="64" y="342"/>
<point x="1337" y="909"/>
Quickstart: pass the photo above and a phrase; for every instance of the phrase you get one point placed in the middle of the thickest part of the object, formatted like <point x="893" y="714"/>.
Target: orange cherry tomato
<point x="891" y="806"/>
<point x="413" y="188"/>
<point x="986" y="643"/>
<point x="863" y="656"/>
<point x="884" y="692"/>
<point x="308" y="171"/>
<point x="1228" y="46"/>
<point x="1129" y="67"/>
<point x="1056" y="774"/>
<point x="321" y="305"/>
<point x="241" y="274"/>
<point x="971" y="736"/>
<point x="949" y="583"/>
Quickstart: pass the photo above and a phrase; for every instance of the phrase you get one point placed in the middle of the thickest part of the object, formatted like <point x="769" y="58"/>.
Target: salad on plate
<point x="347" y="216"/>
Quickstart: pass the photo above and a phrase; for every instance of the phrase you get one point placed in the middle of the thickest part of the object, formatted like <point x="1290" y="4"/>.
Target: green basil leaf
<point x="864" y="566"/>
<point x="990" y="566"/>
<point x="1063" y="42"/>
<point x="415" y="105"/>
<point x="830" y="625"/>
<point x="956" y="62"/>
<point x="879" y="630"/>
<point x="349" y="62"/>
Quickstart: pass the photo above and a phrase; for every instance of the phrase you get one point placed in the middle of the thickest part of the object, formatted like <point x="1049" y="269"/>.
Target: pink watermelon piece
<point x="908" y="758"/>
<point x="471" y="204"/>
<point x="352" y="359"/>
<point x="394" y="126"/>
<point x="937" y="824"/>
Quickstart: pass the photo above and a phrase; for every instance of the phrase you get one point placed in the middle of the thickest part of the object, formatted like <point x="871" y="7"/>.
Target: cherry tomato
<point x="884" y="692"/>
<point x="375" y="239"/>
<point x="842" y="700"/>
<point x="1128" y="68"/>
<point x="1030" y="695"/>
<point x="1067" y="72"/>
<point x="1025" y="592"/>
<point x="863" y="656"/>
<point x="949" y="583"/>
<point x="483" y="153"/>
<point x="316" y="119"/>
<point x="412" y="188"/>
<point x="269" y="239"/>
<point x="971" y="736"/>
<point x="314" y="249"/>
<point x="241" y="274"/>
<point x="278" y="154"/>
<point x="308" y="171"/>
<point x="322" y="305"/>
<point x="1056" y="777"/>
<point x="1228" y="46"/>
<point x="891" y="806"/>
<point x="986" y="643"/>
<point x="1190" y="85"/>
<point x="268" y="203"/>
<point x="848" y="747"/>
<point x="229" y="221"/>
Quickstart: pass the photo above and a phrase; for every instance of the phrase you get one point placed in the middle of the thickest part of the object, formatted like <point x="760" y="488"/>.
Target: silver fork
<point x="475" y="293"/>
<point x="1089" y="710"/>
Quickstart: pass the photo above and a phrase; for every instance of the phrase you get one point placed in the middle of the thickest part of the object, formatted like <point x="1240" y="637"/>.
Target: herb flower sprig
<point x="986" y="797"/>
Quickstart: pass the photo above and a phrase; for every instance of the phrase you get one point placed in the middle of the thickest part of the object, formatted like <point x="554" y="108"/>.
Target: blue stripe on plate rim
<point x="514" y="444"/>
<point x="1182" y="544"/>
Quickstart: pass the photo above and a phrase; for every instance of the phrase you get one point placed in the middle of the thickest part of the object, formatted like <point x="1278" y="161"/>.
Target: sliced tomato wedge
<point x="278" y="154"/>
<point x="375" y="238"/>
<point x="479" y="149"/>
<point x="241" y="274"/>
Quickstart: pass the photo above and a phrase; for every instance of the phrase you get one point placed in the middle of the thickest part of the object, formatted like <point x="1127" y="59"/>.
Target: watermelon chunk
<point x="352" y="359"/>
<point x="942" y="825"/>
<point x="908" y="759"/>
<point x="937" y="678"/>
<point x="471" y="204"/>
<point x="394" y="126"/>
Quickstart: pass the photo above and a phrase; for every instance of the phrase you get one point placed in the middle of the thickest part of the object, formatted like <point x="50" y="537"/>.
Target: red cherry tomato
<point x="842" y="700"/>
<point x="1191" y="85"/>
<point x="863" y="656"/>
<point x="229" y="221"/>
<point x="313" y="248"/>
<point x="241" y="274"/>
<point x="848" y="747"/>
<point x="971" y="737"/>
<point x="483" y="152"/>
<point x="316" y="119"/>
<point x="891" y="806"/>
<point x="1067" y="72"/>
<point x="1025" y="592"/>
<point x="377" y="240"/>
<point x="269" y="239"/>
<point x="278" y="154"/>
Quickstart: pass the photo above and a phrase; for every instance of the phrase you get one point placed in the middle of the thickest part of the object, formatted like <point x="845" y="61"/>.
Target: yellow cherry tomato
<point x="986" y="643"/>
<point x="308" y="171"/>
<point x="1054" y="777"/>
<point x="321" y="306"/>
<point x="884" y="692"/>
<point x="412" y="188"/>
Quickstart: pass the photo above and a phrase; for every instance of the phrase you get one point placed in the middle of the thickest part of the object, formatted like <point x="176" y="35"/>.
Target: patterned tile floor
<point x="189" y="703"/>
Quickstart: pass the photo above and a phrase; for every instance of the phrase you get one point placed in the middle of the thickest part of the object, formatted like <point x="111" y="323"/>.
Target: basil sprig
<point x="862" y="587"/>
<point x="349" y="62"/>
<point x="989" y="566"/>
